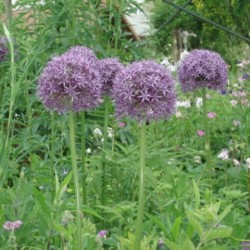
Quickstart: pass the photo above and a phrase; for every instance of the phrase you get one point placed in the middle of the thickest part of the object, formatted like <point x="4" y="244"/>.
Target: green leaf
<point x="218" y="233"/>
<point x="195" y="224"/>
<point x="196" y="195"/>
<point x="176" y="228"/>
<point x="171" y="245"/>
<point x="188" y="245"/>
<point x="224" y="213"/>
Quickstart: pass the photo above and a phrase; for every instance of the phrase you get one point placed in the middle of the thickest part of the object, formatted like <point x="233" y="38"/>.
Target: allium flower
<point x="144" y="91"/>
<point x="71" y="82"/>
<point x="3" y="48"/>
<point x="202" y="69"/>
<point x="109" y="67"/>
<point x="103" y="233"/>
<point x="223" y="155"/>
<point x="9" y="225"/>
<point x="200" y="133"/>
<point x="211" y="115"/>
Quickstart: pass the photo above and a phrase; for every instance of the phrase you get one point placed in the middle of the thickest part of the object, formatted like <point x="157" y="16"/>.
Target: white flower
<point x="168" y="65"/>
<point x="185" y="104"/>
<point x="197" y="159"/>
<point x="236" y="123"/>
<point x="198" y="103"/>
<point x="97" y="132"/>
<point x="110" y="132"/>
<point x="236" y="163"/>
<point x="248" y="162"/>
<point x="184" y="53"/>
<point x="223" y="155"/>
<point x="234" y="103"/>
<point x="178" y="114"/>
<point x="88" y="151"/>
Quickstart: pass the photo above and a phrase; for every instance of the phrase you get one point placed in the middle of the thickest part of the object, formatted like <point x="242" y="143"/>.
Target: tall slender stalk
<point x="206" y="128"/>
<point x="13" y="92"/>
<point x="105" y="136"/>
<point x="248" y="178"/>
<point x="79" y="241"/>
<point x="83" y="145"/>
<point x="8" y="4"/>
<point x="140" y="210"/>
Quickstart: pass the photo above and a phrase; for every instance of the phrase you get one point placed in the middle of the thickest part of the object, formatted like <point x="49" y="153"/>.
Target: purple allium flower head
<point x="109" y="67"/>
<point x="202" y="69"/>
<point x="144" y="91"/>
<point x="71" y="82"/>
<point x="3" y="48"/>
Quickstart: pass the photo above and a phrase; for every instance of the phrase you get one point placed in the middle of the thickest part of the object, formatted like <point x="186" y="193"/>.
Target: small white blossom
<point x="236" y="163"/>
<point x="97" y="132"/>
<point x="168" y="65"/>
<point x="110" y="132"/>
<point x="88" y="151"/>
<point x="198" y="103"/>
<point x="197" y="159"/>
<point x="236" y="123"/>
<point x="185" y="104"/>
<point x="233" y="103"/>
<point x="178" y="114"/>
<point x="248" y="162"/>
<point x="223" y="155"/>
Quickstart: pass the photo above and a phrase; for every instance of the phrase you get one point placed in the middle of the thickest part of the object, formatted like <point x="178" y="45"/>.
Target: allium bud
<point x="202" y="69"/>
<point x="109" y="67"/>
<point x="3" y="49"/>
<point x="71" y="82"/>
<point x="144" y="91"/>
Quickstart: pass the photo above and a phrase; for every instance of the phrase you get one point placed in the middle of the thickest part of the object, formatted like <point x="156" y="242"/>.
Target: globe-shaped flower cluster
<point x="71" y="82"/>
<point x="144" y="91"/>
<point x="202" y="69"/>
<point x="3" y="48"/>
<point x="109" y="67"/>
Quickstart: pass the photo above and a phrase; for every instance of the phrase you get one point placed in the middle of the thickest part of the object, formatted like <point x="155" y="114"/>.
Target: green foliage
<point x="187" y="206"/>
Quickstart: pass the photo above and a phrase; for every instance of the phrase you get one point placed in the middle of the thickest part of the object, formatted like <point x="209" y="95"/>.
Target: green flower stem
<point x="84" y="172"/>
<point x="140" y="211"/>
<point x="105" y="136"/>
<point x="248" y="177"/>
<point x="206" y="127"/>
<point x="8" y="4"/>
<point x="52" y="151"/>
<point x="76" y="181"/>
